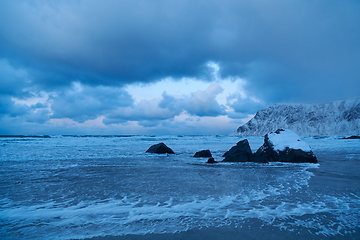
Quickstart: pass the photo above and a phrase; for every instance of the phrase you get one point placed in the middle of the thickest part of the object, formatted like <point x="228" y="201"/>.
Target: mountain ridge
<point x="341" y="118"/>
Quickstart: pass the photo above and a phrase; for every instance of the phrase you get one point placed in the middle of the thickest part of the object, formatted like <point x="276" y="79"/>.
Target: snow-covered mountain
<point x="339" y="118"/>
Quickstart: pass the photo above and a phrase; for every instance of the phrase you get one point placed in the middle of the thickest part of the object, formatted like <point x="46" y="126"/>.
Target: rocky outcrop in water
<point x="279" y="146"/>
<point x="203" y="154"/>
<point x="160" y="148"/>
<point x="239" y="153"/>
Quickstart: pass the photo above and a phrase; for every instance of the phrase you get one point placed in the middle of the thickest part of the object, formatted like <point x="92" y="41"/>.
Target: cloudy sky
<point x="169" y="66"/>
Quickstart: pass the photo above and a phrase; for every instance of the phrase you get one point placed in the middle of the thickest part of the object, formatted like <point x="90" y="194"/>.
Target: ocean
<point x="108" y="187"/>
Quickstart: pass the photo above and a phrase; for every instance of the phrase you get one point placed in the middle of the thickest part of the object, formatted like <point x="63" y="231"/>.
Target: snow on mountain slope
<point x="340" y="118"/>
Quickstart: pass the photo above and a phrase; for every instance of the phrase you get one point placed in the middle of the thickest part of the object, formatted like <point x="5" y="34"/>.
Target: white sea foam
<point x="138" y="214"/>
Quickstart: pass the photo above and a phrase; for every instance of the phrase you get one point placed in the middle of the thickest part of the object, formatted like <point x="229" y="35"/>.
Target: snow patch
<point x="283" y="138"/>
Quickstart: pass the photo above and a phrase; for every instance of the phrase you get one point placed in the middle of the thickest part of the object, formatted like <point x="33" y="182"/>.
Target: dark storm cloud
<point x="12" y="84"/>
<point x="79" y="102"/>
<point x="287" y="51"/>
<point x="13" y="81"/>
<point x="117" y="42"/>
<point x="37" y="113"/>
<point x="6" y="105"/>
<point x="12" y="109"/>
<point x="82" y="103"/>
<point x="40" y="116"/>
<point x="111" y="42"/>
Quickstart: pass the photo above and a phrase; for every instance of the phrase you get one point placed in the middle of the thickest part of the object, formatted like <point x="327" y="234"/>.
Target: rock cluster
<point x="279" y="146"/>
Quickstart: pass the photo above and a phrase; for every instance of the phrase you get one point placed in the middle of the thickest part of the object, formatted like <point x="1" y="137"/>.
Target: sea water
<point x="78" y="187"/>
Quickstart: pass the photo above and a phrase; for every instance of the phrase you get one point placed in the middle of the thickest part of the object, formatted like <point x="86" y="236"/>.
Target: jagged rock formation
<point x="239" y="153"/>
<point x="160" y="148"/>
<point x="341" y="118"/>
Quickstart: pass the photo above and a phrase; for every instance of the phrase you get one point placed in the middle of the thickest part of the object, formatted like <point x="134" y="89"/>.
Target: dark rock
<point x="203" y="153"/>
<point x="160" y="148"/>
<point x="279" y="147"/>
<point x="211" y="160"/>
<point x="278" y="131"/>
<point x="266" y="155"/>
<point x="239" y="153"/>
<point x="352" y="137"/>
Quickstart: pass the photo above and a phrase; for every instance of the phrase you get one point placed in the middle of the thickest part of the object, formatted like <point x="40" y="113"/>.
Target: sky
<point x="169" y="66"/>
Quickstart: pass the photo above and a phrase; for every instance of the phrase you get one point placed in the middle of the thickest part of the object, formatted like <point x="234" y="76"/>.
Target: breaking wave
<point x="324" y="215"/>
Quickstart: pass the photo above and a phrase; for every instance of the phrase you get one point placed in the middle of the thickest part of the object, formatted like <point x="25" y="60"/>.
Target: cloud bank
<point x="74" y="59"/>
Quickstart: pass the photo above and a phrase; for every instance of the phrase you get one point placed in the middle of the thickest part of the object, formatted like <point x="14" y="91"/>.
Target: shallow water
<point x="76" y="187"/>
